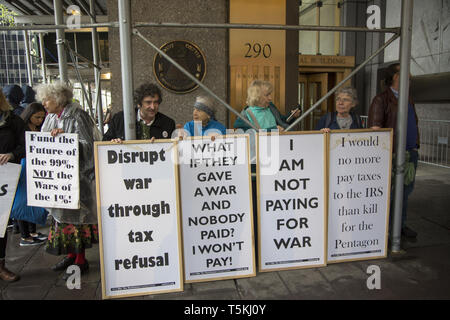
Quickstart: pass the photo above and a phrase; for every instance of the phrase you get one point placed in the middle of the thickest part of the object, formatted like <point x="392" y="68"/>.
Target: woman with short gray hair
<point x="343" y="117"/>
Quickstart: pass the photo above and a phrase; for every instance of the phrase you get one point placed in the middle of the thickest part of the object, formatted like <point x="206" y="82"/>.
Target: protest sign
<point x="52" y="170"/>
<point x="292" y="200"/>
<point x="9" y="177"/>
<point x="138" y="214"/>
<point x="216" y="208"/>
<point x="359" y="194"/>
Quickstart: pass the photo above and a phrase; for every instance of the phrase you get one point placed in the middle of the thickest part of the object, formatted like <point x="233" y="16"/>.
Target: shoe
<point x="63" y="264"/>
<point x="30" y="242"/>
<point x="83" y="269"/>
<point x="40" y="236"/>
<point x="409" y="233"/>
<point x="7" y="275"/>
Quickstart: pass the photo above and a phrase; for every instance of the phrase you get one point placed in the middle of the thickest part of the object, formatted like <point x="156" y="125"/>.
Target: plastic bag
<point x="20" y="210"/>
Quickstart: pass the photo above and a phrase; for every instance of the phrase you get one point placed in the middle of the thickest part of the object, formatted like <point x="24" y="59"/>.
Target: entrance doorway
<point x="311" y="87"/>
<point x="317" y="76"/>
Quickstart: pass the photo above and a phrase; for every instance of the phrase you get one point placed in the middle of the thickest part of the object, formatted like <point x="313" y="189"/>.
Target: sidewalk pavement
<point x="422" y="272"/>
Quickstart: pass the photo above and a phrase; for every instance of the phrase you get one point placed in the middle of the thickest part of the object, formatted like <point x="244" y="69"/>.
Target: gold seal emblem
<point x="186" y="54"/>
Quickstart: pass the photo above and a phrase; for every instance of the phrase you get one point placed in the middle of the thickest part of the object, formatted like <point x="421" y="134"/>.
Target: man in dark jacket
<point x="14" y="96"/>
<point x="149" y="121"/>
<point x="383" y="114"/>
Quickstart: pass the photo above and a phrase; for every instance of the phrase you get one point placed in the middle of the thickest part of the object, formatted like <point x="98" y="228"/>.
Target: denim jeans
<point x="407" y="190"/>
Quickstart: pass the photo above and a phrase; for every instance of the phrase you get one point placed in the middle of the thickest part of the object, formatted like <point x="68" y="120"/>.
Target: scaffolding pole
<point x="60" y="39"/>
<point x="28" y="57"/>
<point x="96" y="56"/>
<point x="402" y="116"/>
<point x="42" y="51"/>
<point x="207" y="26"/>
<point x="127" y="68"/>
<point x="263" y="27"/>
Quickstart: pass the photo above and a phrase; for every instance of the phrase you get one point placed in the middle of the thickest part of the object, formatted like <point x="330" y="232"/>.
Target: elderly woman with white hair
<point x="72" y="230"/>
<point x="343" y="117"/>
<point x="204" y="122"/>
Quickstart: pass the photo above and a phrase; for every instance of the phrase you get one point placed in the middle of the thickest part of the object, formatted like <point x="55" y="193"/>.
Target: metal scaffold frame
<point x="127" y="28"/>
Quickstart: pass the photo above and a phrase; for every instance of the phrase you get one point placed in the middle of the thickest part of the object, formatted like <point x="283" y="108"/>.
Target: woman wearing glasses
<point x="343" y="117"/>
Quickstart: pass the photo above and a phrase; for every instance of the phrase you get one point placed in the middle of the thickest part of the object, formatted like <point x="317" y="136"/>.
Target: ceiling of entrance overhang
<point x="45" y="7"/>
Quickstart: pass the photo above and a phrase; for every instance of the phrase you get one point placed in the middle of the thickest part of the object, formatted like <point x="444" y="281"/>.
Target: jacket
<point x="383" y="112"/>
<point x="329" y="120"/>
<point x="161" y="128"/>
<point x="75" y="120"/>
<point x="12" y="136"/>
<point x="279" y="119"/>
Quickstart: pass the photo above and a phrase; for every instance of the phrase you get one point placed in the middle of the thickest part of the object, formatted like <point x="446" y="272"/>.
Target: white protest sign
<point x="216" y="208"/>
<point x="292" y="201"/>
<point x="53" y="179"/>
<point x="359" y="193"/>
<point x="9" y="177"/>
<point x="138" y="210"/>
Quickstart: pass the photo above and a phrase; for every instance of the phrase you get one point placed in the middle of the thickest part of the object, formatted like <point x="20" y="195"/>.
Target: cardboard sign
<point x="53" y="179"/>
<point x="138" y="214"/>
<point x="217" y="208"/>
<point x="292" y="201"/>
<point x="359" y="194"/>
<point x="9" y="177"/>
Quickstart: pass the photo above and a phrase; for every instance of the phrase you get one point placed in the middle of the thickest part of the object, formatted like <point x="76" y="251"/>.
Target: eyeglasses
<point x="339" y="99"/>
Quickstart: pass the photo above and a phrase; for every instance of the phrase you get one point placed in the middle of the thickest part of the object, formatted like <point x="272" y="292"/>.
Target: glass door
<point x="311" y="88"/>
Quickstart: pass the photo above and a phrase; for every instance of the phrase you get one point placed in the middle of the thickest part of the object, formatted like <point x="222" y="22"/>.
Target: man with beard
<point x="150" y="123"/>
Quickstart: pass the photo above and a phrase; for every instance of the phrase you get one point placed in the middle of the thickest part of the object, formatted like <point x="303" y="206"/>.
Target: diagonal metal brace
<point x="136" y="32"/>
<point x="329" y="93"/>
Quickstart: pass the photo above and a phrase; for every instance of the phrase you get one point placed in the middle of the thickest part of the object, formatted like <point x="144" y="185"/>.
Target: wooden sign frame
<point x="388" y="190"/>
<point x="253" y="274"/>
<point x="5" y="217"/>
<point x="325" y="209"/>
<point x="100" y="228"/>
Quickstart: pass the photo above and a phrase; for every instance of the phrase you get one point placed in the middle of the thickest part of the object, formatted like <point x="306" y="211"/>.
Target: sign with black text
<point x="52" y="170"/>
<point x="138" y="211"/>
<point x="217" y="208"/>
<point x="9" y="177"/>
<point x="292" y="200"/>
<point x="359" y="194"/>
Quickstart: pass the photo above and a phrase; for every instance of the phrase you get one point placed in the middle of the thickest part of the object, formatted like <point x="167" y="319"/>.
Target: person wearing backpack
<point x="343" y="117"/>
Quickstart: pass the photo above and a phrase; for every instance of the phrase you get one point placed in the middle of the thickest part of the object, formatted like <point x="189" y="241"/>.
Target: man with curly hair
<point x="150" y="123"/>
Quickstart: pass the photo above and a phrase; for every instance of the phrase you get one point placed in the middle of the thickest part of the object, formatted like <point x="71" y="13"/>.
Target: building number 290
<point x="255" y="50"/>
